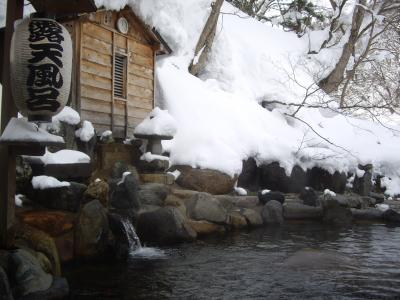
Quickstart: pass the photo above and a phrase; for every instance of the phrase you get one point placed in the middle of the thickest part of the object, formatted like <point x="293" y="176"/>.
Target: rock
<point x="98" y="190"/>
<point x="59" y="289"/>
<point x="32" y="238"/>
<point x="369" y="200"/>
<point x="372" y="214"/>
<point x="23" y="175"/>
<point x="27" y="274"/>
<point x="273" y="177"/>
<point x="91" y="231"/>
<point x="124" y="193"/>
<point x="268" y="196"/>
<point x="5" y="292"/>
<point x="247" y="201"/>
<point x="125" y="240"/>
<point x="309" y="196"/>
<point x="363" y="185"/>
<point x="205" y="227"/>
<point x="320" y="179"/>
<point x="165" y="225"/>
<point x="205" y="180"/>
<point x="296" y="211"/>
<point x="61" y="198"/>
<point x="203" y="206"/>
<point x="249" y="178"/>
<point x="87" y="147"/>
<point x="356" y="201"/>
<point x="236" y="219"/>
<point x="253" y="218"/>
<point x="338" y="216"/>
<point x="154" y="166"/>
<point x="153" y="193"/>
<point x="298" y="180"/>
<point x="313" y="259"/>
<point x="391" y="216"/>
<point x="174" y="201"/>
<point x="121" y="167"/>
<point x="107" y="137"/>
<point x="379" y="198"/>
<point x="272" y="213"/>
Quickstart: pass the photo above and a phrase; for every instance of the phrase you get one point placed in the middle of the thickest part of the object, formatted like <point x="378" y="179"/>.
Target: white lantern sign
<point x="41" y="62"/>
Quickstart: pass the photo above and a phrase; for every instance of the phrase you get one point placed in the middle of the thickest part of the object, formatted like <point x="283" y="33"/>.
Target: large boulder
<point x="59" y="289"/>
<point x="236" y="219"/>
<point x="320" y="179"/>
<point x="205" y="227"/>
<point x="266" y="196"/>
<point x="336" y="210"/>
<point x="122" y="167"/>
<point x="165" y="225"/>
<point x="124" y="192"/>
<point x="378" y="197"/>
<point x="153" y="193"/>
<point x="27" y="274"/>
<point x="362" y="184"/>
<point x="205" y="180"/>
<point x="203" y="206"/>
<point x="253" y="217"/>
<point x="369" y="214"/>
<point x="61" y="198"/>
<point x="91" y="231"/>
<point x="297" y="211"/>
<point x="98" y="190"/>
<point x="272" y="213"/>
<point x="249" y="178"/>
<point x="391" y="216"/>
<point x="309" y="196"/>
<point x="5" y="291"/>
<point x="274" y="177"/>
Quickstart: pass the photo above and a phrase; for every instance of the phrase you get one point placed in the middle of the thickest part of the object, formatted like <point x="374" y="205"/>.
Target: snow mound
<point x="158" y="122"/>
<point x="67" y="115"/>
<point x="86" y="133"/>
<point x="47" y="182"/>
<point x="65" y="157"/>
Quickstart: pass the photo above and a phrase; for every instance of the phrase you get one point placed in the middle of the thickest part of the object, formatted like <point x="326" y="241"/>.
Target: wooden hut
<point x="113" y="82"/>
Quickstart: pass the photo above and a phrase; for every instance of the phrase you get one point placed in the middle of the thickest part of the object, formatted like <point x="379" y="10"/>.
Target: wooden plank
<point x="96" y="69"/>
<point x="96" y="57"/>
<point x="140" y="102"/>
<point x="96" y="44"/>
<point x="142" y="71"/>
<point x="141" y="60"/>
<point x="97" y="32"/>
<point x="95" y="93"/>
<point x="96" y="117"/>
<point x="141" y="81"/>
<point x="96" y="81"/>
<point x="138" y="113"/>
<point x="120" y="108"/>
<point x="120" y="41"/>
<point x="138" y="91"/>
<point x="140" y="48"/>
<point x="96" y="105"/>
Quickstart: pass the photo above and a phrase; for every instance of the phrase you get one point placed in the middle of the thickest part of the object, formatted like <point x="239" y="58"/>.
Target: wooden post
<point x="15" y="9"/>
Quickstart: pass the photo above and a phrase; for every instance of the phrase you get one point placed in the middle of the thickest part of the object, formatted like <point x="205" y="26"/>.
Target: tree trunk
<point x="331" y="83"/>
<point x="206" y="39"/>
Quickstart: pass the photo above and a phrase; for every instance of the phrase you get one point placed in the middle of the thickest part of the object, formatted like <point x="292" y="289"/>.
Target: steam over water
<point x="363" y="262"/>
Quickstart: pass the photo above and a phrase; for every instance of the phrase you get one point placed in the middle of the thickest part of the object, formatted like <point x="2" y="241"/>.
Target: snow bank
<point x="64" y="157"/>
<point x="158" y="122"/>
<point x="46" y="182"/>
<point x="218" y="117"/>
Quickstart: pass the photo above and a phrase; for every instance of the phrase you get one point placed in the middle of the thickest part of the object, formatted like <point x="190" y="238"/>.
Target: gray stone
<point x="27" y="274"/>
<point x="363" y="185"/>
<point x="156" y="165"/>
<point x="59" y="289"/>
<point x="320" y="179"/>
<point x="203" y="206"/>
<point x="309" y="196"/>
<point x="23" y="173"/>
<point x="338" y="215"/>
<point x="164" y="226"/>
<point x="272" y="213"/>
<point x="61" y="198"/>
<point x="268" y="196"/>
<point x="124" y="193"/>
<point x="91" y="235"/>
<point x="297" y="211"/>
<point x="121" y="167"/>
<point x="379" y="198"/>
<point x="153" y="194"/>
<point x="371" y="214"/>
<point x="249" y="178"/>
<point x="253" y="218"/>
<point x="391" y="216"/>
<point x="5" y="292"/>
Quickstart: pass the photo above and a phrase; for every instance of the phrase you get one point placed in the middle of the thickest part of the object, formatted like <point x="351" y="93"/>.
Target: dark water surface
<point x="251" y="265"/>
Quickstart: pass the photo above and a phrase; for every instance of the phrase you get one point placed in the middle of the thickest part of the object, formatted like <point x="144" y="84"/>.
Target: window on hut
<point x="120" y="75"/>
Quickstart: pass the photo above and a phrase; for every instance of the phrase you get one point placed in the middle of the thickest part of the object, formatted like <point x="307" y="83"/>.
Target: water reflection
<point x="250" y="265"/>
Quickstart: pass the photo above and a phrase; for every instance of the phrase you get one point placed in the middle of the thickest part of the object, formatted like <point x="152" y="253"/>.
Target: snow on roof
<point x="20" y="130"/>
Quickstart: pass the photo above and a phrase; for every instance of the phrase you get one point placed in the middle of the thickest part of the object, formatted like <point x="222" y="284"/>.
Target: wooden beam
<point x="64" y="7"/>
<point x="15" y="9"/>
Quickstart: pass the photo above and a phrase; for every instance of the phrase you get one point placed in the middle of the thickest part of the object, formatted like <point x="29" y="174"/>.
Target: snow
<point x="382" y="207"/>
<point x="67" y="115"/>
<point x="240" y="191"/>
<point x="18" y="200"/>
<point x="360" y="173"/>
<point x="97" y="180"/>
<point x="123" y="177"/>
<point x="86" y="133"/>
<point x="47" y="182"/>
<point x="149" y="157"/>
<point x="329" y="192"/>
<point x="20" y="130"/>
<point x="218" y="117"/>
<point x="105" y="135"/>
<point x="158" y="122"/>
<point x="175" y="173"/>
<point x="263" y="192"/>
<point x="61" y="157"/>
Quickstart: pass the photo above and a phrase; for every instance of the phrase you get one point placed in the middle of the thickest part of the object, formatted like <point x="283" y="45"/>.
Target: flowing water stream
<point x="358" y="262"/>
